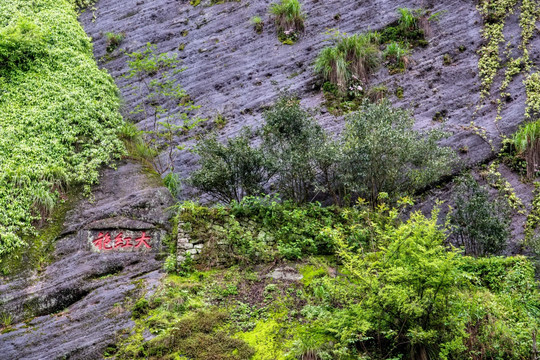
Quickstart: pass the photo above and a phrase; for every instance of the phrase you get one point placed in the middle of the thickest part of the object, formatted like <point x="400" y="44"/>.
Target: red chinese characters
<point x="104" y="242"/>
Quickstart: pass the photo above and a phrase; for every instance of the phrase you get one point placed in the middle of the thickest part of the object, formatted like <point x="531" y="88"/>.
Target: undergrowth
<point x="401" y="294"/>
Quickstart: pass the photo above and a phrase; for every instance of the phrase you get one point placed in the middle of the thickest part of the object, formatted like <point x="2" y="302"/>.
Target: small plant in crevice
<point x="399" y="92"/>
<point x="258" y="24"/>
<point x="113" y="40"/>
<point x="164" y="104"/>
<point x="447" y="59"/>
<point x="377" y="93"/>
<point x="396" y="57"/>
<point x="289" y="20"/>
<point x="440" y="116"/>
<point x="220" y="121"/>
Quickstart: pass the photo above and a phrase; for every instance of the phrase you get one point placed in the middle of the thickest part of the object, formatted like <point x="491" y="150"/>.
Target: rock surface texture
<point x="80" y="301"/>
<point x="233" y="71"/>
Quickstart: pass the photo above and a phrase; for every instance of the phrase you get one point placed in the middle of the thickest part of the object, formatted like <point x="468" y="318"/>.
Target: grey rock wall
<point x="80" y="302"/>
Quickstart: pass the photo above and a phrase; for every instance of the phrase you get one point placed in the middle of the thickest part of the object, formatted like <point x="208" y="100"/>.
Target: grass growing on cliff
<point x="289" y="20"/>
<point x="354" y="57"/>
<point x="59" y="113"/>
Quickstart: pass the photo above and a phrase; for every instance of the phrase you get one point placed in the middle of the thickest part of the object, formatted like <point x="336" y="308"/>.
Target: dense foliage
<point x="231" y="171"/>
<point x="386" y="289"/>
<point x="59" y="112"/>
<point x="481" y="225"/>
<point x="378" y="152"/>
<point x="293" y="140"/>
<point x="382" y="153"/>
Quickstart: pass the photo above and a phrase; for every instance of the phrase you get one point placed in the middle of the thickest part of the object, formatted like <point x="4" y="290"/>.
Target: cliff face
<point x="74" y="307"/>
<point x="233" y="71"/>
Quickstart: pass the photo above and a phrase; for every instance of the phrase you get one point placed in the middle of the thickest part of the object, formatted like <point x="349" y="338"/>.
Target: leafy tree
<point x="154" y="74"/>
<point x="230" y="171"/>
<point x="382" y="153"/>
<point x="480" y="225"/>
<point x="291" y="137"/>
<point x="409" y="288"/>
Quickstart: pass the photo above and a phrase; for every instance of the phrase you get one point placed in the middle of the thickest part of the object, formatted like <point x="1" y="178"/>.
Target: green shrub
<point x="261" y="229"/>
<point x="230" y="171"/>
<point x="409" y="296"/>
<point x="383" y="154"/>
<point x="480" y="225"/>
<point x="173" y="183"/>
<point x="291" y="138"/>
<point x="113" y="40"/>
<point x="170" y="264"/>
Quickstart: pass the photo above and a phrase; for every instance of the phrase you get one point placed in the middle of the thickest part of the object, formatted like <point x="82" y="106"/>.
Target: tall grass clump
<point x="288" y="15"/>
<point x="407" y="21"/>
<point x="289" y="20"/>
<point x="397" y="57"/>
<point x="527" y="143"/>
<point x="353" y="57"/>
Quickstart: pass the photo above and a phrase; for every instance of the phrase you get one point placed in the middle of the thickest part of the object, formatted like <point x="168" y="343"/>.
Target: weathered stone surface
<point x="285" y="273"/>
<point x="78" y="302"/>
<point x="241" y="71"/>
<point x="127" y="240"/>
<point x="238" y="74"/>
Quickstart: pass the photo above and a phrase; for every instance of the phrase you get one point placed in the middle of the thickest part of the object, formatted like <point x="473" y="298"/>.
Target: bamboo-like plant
<point x="527" y="143"/>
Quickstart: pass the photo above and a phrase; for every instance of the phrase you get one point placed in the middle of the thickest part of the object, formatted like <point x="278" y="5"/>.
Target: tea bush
<point x="230" y="171"/>
<point x="378" y="152"/>
<point x="382" y="153"/>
